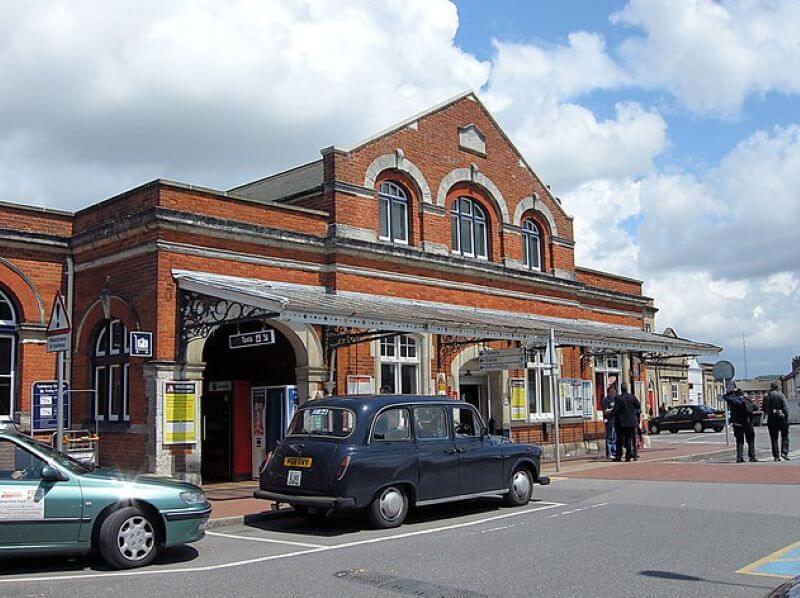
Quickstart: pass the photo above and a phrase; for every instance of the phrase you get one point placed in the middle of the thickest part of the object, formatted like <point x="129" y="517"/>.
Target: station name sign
<point x="493" y="360"/>
<point x="251" y="339"/>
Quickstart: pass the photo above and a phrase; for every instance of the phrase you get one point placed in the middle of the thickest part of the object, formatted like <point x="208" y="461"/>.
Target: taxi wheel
<point x="673" y="430"/>
<point x="128" y="539"/>
<point x="698" y="427"/>
<point x="520" y="490"/>
<point x="389" y="509"/>
<point x="654" y="429"/>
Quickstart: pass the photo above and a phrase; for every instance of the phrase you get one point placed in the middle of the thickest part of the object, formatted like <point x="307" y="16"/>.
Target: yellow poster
<point x="519" y="411"/>
<point x="180" y="408"/>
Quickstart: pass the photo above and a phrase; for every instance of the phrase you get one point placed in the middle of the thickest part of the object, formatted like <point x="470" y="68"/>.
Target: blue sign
<point x="141" y="344"/>
<point x="44" y="416"/>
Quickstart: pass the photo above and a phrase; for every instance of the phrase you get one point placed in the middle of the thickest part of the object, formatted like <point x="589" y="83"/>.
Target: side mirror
<point x="51" y="474"/>
<point x="484" y="432"/>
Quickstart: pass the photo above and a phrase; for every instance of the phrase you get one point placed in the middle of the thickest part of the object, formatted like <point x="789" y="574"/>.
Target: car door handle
<point x="451" y="451"/>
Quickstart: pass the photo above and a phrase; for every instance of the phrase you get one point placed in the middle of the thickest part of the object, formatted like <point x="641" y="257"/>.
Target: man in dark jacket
<point x="626" y="413"/>
<point x="608" y="404"/>
<point x="777" y="411"/>
<point x="741" y="416"/>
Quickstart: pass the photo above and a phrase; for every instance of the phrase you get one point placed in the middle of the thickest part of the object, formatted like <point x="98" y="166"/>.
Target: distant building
<point x="791" y="381"/>
<point x="668" y="378"/>
<point x="712" y="389"/>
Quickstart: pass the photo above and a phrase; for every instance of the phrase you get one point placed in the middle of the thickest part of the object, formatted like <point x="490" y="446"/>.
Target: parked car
<point x="385" y="453"/>
<point x="51" y="503"/>
<point x="689" y="417"/>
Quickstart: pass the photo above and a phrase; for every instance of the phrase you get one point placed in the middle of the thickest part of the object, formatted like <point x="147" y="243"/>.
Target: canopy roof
<point x="314" y="305"/>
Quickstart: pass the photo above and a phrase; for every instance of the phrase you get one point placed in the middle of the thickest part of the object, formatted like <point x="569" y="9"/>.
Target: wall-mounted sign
<point x="141" y="343"/>
<point x="251" y="339"/>
<point x="519" y="411"/>
<point x="43" y="405"/>
<point x="59" y="328"/>
<point x="360" y="385"/>
<point x="223" y="386"/>
<point x="180" y="412"/>
<point x="494" y="360"/>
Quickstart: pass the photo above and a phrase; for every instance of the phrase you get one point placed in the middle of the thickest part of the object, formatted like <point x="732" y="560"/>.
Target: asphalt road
<point x="580" y="537"/>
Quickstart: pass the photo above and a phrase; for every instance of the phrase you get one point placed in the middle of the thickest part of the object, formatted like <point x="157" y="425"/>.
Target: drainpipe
<point x="70" y="295"/>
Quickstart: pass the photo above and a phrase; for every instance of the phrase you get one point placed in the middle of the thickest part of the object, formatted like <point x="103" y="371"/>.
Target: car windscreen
<point x="708" y="409"/>
<point x="334" y="422"/>
<point x="61" y="459"/>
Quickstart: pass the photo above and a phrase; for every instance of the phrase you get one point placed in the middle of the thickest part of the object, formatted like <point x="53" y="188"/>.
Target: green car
<point x="52" y="503"/>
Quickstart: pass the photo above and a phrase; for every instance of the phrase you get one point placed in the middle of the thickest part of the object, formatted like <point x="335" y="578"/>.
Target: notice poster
<point x="21" y="504"/>
<point x="180" y="408"/>
<point x="519" y="410"/>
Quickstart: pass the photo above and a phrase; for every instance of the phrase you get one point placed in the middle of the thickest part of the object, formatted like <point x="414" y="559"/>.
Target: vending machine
<point x="272" y="408"/>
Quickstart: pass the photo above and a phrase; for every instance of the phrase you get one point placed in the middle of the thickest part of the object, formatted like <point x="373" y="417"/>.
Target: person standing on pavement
<point x="776" y="408"/>
<point x="608" y="404"/>
<point x="628" y="410"/>
<point x="742" y="409"/>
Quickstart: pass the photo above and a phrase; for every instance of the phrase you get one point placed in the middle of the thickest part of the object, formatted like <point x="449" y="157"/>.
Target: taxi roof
<point x="375" y="401"/>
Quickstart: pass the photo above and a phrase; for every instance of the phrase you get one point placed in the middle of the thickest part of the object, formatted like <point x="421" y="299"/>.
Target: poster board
<point x="180" y="412"/>
<point x="519" y="407"/>
<point x="360" y="385"/>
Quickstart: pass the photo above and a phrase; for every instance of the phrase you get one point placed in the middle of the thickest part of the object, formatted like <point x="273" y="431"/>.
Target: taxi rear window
<point x="334" y="422"/>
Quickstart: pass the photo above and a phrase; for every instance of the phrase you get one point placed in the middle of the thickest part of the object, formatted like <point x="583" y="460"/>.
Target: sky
<point x="669" y="128"/>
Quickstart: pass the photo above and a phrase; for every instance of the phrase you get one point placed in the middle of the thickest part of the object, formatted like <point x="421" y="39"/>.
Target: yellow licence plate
<point x="297" y="461"/>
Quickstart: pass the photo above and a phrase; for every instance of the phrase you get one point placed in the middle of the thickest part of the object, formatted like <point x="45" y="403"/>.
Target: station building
<point x="404" y="264"/>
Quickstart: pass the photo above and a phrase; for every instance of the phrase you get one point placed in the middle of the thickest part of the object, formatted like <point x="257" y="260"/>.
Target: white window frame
<point x="13" y="321"/>
<point x="398" y="361"/>
<point x="11" y="376"/>
<point x="391" y="193"/>
<point x="531" y="236"/>
<point x="126" y="416"/>
<point x="97" y="415"/>
<point x="542" y="377"/>
<point x="476" y="214"/>
<point x="112" y="417"/>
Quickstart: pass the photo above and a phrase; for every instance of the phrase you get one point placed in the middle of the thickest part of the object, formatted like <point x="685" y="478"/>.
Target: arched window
<point x="468" y="228"/>
<point x="399" y="365"/>
<point x="393" y="212"/>
<point x="8" y="363"/>
<point x="531" y="245"/>
<point x="110" y="357"/>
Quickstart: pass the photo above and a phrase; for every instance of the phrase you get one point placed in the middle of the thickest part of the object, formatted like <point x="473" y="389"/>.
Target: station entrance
<point x="249" y="394"/>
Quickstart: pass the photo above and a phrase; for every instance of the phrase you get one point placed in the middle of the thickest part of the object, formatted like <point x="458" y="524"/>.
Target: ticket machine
<point x="272" y="408"/>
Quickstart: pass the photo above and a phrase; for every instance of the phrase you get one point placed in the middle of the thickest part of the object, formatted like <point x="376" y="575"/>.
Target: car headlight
<point x="193" y="498"/>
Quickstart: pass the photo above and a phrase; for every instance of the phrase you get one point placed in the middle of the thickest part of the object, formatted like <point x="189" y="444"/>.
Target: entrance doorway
<point x="226" y="404"/>
<point x="473" y="387"/>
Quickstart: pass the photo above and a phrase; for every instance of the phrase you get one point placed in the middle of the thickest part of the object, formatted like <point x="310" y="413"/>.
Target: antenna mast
<point x="744" y="351"/>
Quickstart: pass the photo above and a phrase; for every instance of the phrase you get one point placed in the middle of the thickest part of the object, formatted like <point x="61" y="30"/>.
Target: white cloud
<point x="214" y="93"/>
<point x="530" y="91"/>
<point x="712" y="54"/>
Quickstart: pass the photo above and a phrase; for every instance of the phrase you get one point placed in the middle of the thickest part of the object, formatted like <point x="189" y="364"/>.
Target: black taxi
<point x="689" y="417"/>
<point x="384" y="453"/>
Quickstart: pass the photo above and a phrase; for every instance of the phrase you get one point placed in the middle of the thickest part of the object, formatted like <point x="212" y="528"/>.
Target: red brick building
<point x="388" y="266"/>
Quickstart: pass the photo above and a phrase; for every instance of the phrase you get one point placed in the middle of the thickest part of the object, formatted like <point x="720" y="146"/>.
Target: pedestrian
<point x="776" y="408"/>
<point x="742" y="409"/>
<point x="608" y="404"/>
<point x="627" y="412"/>
<point x="662" y="410"/>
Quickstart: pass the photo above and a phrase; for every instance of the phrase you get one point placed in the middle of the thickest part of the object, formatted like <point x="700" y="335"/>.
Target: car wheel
<point x="698" y="427"/>
<point x="520" y="489"/>
<point x="718" y="429"/>
<point x="673" y="430"/>
<point x="389" y="509"/>
<point x="654" y="429"/>
<point x="128" y="539"/>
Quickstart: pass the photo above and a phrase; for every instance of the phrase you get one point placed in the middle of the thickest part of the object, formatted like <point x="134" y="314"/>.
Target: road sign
<point x="724" y="370"/>
<point x="494" y="360"/>
<point x="59" y="328"/>
<point x="141" y="343"/>
<point x="251" y="339"/>
<point x="44" y="417"/>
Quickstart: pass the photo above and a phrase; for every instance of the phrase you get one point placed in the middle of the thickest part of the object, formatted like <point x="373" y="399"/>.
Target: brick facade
<point x="126" y="248"/>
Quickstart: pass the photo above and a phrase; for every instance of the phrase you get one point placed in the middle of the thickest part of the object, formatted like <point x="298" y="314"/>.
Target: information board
<point x="180" y="412"/>
<point x="519" y="408"/>
<point x="44" y="417"/>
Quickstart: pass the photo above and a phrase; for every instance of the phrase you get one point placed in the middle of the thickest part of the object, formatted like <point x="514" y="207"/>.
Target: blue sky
<point x="670" y="128"/>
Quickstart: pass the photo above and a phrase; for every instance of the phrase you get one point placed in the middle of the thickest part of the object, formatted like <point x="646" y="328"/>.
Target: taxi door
<point x="437" y="460"/>
<point x="480" y="461"/>
<point x="35" y="512"/>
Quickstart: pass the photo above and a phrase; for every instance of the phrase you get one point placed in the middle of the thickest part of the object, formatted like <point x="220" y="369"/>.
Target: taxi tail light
<point x="265" y="462"/>
<point x="343" y="467"/>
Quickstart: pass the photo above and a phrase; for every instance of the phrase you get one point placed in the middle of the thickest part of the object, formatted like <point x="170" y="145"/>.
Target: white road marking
<point x="578" y="510"/>
<point x="140" y="572"/>
<point x="270" y="540"/>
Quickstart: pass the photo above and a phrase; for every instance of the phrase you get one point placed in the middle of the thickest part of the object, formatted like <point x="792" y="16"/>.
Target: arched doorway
<point x="249" y="391"/>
